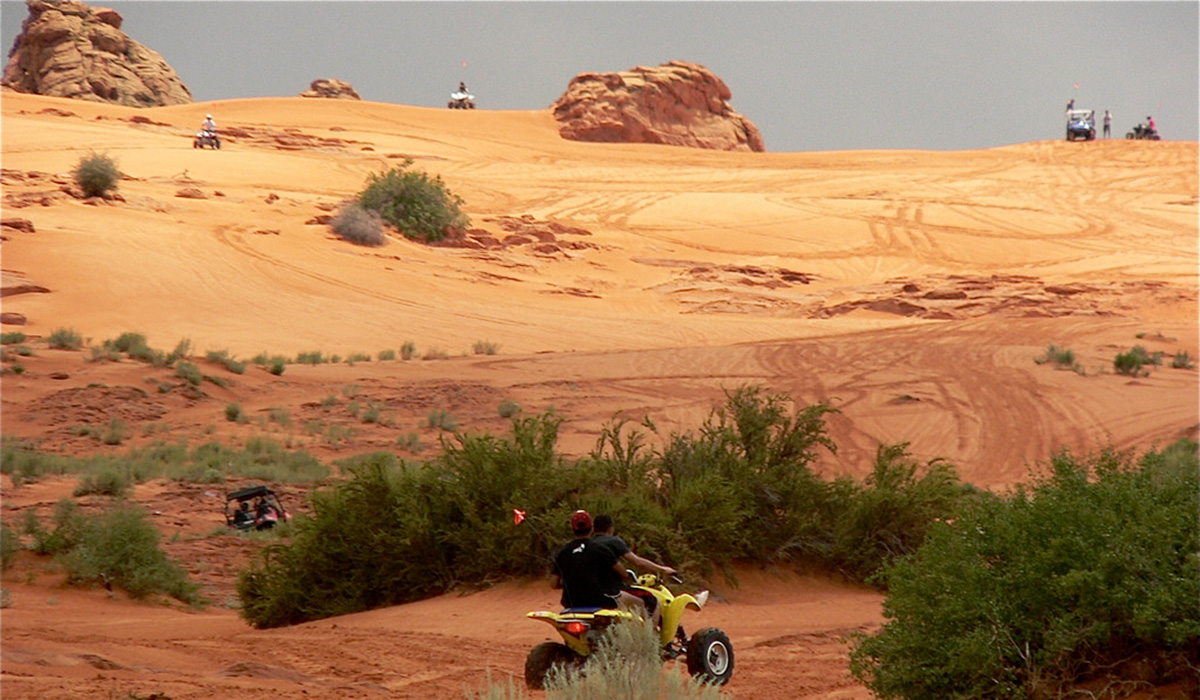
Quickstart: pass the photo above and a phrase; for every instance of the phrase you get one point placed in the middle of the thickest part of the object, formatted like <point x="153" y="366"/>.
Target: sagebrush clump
<point x="420" y="206"/>
<point x="97" y="175"/>
<point x="359" y="225"/>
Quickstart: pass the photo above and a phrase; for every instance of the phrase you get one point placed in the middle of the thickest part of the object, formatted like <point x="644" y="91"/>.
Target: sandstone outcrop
<point x="331" y="88"/>
<point x="677" y="103"/>
<point x="68" y="49"/>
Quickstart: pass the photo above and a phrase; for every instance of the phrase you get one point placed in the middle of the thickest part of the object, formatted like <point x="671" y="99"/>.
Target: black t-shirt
<point x="611" y="580"/>
<point x="581" y="564"/>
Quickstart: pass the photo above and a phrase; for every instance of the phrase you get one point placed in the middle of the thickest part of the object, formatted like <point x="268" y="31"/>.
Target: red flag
<point x="518" y="516"/>
<point x="1076" y="86"/>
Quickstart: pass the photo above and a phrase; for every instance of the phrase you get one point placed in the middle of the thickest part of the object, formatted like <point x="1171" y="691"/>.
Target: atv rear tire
<point x="710" y="656"/>
<point x="542" y="657"/>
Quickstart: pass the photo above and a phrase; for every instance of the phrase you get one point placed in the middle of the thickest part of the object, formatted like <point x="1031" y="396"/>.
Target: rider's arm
<point x="644" y="563"/>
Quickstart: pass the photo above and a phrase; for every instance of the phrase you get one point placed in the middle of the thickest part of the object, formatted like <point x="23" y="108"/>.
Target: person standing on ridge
<point x="1107" y="124"/>
<point x="1071" y="104"/>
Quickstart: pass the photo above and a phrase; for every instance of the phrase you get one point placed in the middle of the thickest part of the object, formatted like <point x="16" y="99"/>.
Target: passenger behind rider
<point x="613" y="579"/>
<point x="581" y="564"/>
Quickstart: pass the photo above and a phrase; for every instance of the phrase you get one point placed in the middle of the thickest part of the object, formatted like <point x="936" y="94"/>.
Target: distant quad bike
<point x="1141" y="131"/>
<point x="461" y="100"/>
<point x="207" y="138"/>
<point x="254" y="508"/>
<point x="1081" y="124"/>
<point x="709" y="653"/>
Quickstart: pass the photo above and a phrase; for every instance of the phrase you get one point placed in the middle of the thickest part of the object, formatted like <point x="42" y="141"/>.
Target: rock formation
<point x="677" y="103"/>
<point x="68" y="49"/>
<point x="331" y="88"/>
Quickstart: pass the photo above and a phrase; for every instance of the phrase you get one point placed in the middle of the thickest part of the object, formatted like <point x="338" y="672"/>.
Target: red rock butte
<point x="68" y="49"/>
<point x="677" y="103"/>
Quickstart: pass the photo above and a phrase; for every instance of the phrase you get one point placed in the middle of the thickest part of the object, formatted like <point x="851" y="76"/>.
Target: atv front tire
<point x="710" y="656"/>
<point x="542" y="657"/>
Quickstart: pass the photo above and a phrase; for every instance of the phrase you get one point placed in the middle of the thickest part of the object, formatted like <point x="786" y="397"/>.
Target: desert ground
<point x="912" y="290"/>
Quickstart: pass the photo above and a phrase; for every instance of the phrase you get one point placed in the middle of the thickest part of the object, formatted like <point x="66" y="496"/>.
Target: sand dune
<point x="913" y="290"/>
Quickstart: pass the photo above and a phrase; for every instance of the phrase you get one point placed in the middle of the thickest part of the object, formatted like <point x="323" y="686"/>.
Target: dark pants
<point x="1107" y="131"/>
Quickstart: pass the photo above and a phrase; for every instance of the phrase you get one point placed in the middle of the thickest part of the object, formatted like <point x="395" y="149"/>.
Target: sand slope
<point x="912" y="290"/>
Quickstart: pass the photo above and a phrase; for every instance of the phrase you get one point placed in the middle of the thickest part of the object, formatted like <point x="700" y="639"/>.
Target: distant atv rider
<point x="579" y="564"/>
<point x="209" y="125"/>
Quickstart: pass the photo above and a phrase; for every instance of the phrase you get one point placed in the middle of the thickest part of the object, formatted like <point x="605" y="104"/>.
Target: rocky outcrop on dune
<point x="68" y="49"/>
<point x="677" y="103"/>
<point x="331" y="88"/>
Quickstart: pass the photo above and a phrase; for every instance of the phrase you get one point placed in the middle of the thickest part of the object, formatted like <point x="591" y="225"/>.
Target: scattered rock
<point x="12" y="318"/>
<point x="59" y="375"/>
<point x="319" y="220"/>
<point x="677" y="103"/>
<point x="191" y="193"/>
<point x="272" y="198"/>
<point x="17" y="224"/>
<point x="68" y="49"/>
<point x="13" y="283"/>
<point x="331" y="88"/>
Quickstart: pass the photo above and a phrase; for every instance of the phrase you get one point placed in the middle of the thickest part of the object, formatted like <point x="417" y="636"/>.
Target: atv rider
<point x="209" y="126"/>
<point x="581" y="564"/>
<point x="612" y="579"/>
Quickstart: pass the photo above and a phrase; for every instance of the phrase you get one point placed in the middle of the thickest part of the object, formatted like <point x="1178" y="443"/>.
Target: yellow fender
<point x="672" y="613"/>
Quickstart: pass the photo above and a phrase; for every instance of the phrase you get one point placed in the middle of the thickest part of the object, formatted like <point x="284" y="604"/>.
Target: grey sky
<point x="812" y="75"/>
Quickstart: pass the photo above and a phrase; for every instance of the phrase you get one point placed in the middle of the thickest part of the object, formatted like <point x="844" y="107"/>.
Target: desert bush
<point x="24" y="462"/>
<point x="115" y="432"/>
<point x="434" y="354"/>
<point x="277" y="364"/>
<point x="280" y="415"/>
<point x="385" y="355"/>
<point x="223" y="358"/>
<point x="96" y="174"/>
<point x="627" y="663"/>
<point x="419" y="206"/>
<point x="1023" y="596"/>
<point x="120" y="547"/>
<point x="1182" y="360"/>
<point x="312" y="357"/>
<point x="408" y="350"/>
<point x="65" y="339"/>
<point x="484" y="347"/>
<point x="110" y="482"/>
<point x="1062" y="358"/>
<point x="359" y="225"/>
<point x="508" y="409"/>
<point x="68" y="524"/>
<point x="12" y="338"/>
<point x="441" y="419"/>
<point x="234" y="413"/>
<point x="10" y="544"/>
<point x="189" y="372"/>
<point x="261" y="458"/>
<point x="103" y="353"/>
<point x="354" y="357"/>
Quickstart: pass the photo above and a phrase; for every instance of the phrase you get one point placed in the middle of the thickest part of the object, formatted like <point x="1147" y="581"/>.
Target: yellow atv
<point x="709" y="653"/>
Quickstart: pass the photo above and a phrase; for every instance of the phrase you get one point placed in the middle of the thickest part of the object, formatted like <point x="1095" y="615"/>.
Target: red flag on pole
<point x="518" y="516"/>
<point x="1076" y="86"/>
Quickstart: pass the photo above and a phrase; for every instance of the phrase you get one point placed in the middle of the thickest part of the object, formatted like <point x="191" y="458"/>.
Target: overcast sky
<point x="811" y="75"/>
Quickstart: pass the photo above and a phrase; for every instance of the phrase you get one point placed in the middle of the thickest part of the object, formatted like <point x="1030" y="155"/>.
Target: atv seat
<point x="576" y="611"/>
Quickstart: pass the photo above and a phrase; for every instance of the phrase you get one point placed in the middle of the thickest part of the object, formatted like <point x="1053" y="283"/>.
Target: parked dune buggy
<point x="1081" y="124"/>
<point x="254" y="508"/>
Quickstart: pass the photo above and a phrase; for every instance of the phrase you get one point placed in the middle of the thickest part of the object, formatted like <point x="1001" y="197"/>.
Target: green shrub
<point x="1181" y="360"/>
<point x="110" y="482"/>
<point x="277" y="364"/>
<point x="359" y="225"/>
<point x="420" y="206"/>
<point x="508" y="409"/>
<point x="119" y="547"/>
<point x="223" y="358"/>
<point x="115" y="432"/>
<point x="280" y="415"/>
<point x="10" y="544"/>
<point x="68" y="524"/>
<point x="373" y="414"/>
<point x="485" y="347"/>
<point x="189" y="373"/>
<point x="97" y="175"/>
<point x="65" y="339"/>
<point x="12" y="338"/>
<point x="385" y="355"/>
<point x="313" y="357"/>
<point x="408" y="350"/>
<point x="442" y="419"/>
<point x="358" y="357"/>
<point x="1024" y="596"/>
<point x="234" y="413"/>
